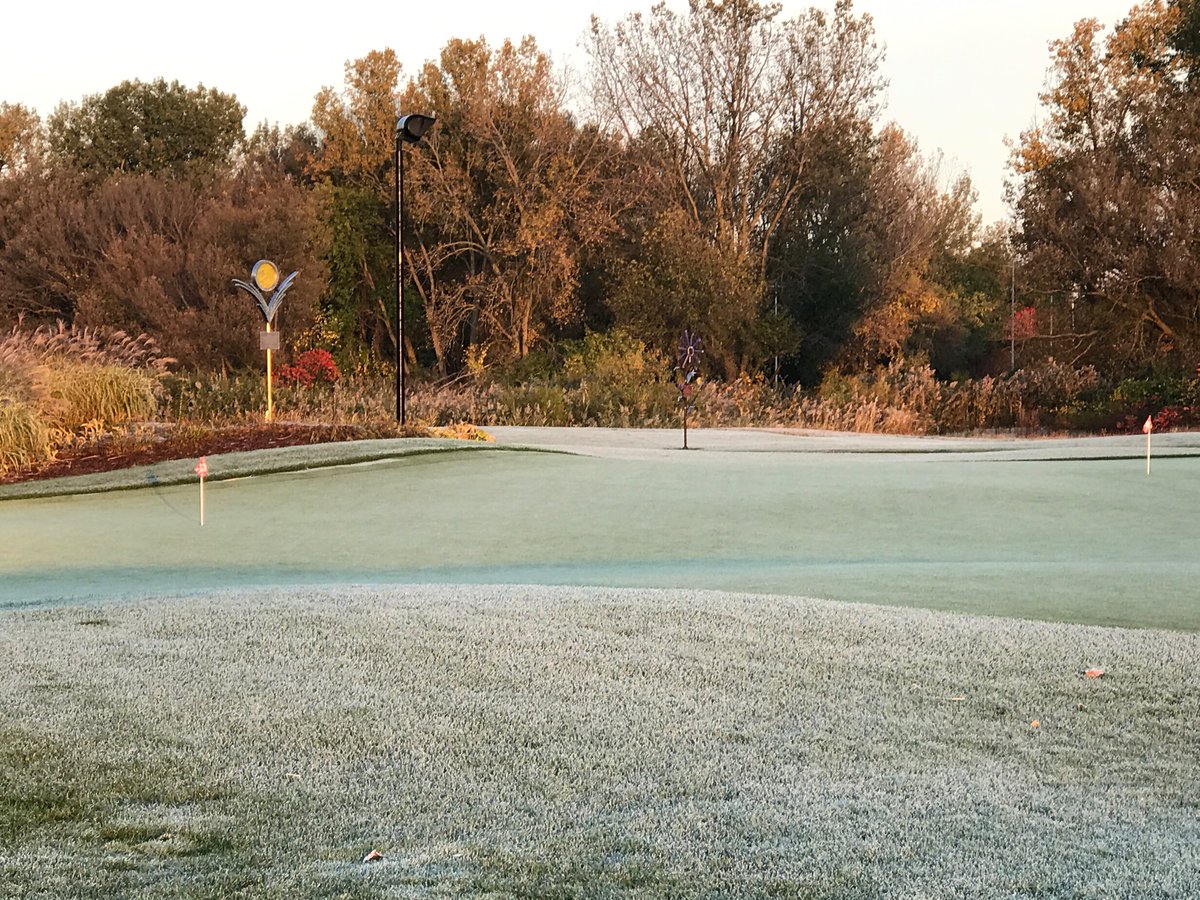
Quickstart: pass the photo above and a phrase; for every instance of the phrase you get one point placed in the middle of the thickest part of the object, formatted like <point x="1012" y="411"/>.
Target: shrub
<point x="612" y="379"/>
<point x="57" y="380"/>
<point x="1156" y="391"/>
<point x="312" y="368"/>
<point x="72" y="394"/>
<point x="1046" y="394"/>
<point x="1166" y="418"/>
<point x="212" y="397"/>
<point x="24" y="437"/>
<point x="462" y="431"/>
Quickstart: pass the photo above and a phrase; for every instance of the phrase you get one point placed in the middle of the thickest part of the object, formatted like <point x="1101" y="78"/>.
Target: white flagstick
<point x="1148" y="428"/>
<point x="202" y="470"/>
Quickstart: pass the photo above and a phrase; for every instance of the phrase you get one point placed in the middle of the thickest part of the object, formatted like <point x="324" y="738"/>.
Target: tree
<point x="728" y="105"/>
<point x="1107" y="190"/>
<point x="910" y="222"/>
<point x="821" y="267"/>
<point x="508" y="195"/>
<point x="679" y="278"/>
<point x="287" y="152"/>
<point x="863" y="262"/>
<point x="20" y="133"/>
<point x="354" y="168"/>
<point x="154" y="254"/>
<point x="157" y="127"/>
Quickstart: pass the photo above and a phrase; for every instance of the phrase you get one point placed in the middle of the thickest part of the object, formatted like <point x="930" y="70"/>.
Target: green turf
<point x="1081" y="540"/>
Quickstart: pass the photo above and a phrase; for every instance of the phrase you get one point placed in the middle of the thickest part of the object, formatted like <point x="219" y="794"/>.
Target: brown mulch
<point x="122" y="452"/>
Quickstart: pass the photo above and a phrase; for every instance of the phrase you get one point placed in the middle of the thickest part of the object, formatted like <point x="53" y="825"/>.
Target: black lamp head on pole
<point x="411" y="129"/>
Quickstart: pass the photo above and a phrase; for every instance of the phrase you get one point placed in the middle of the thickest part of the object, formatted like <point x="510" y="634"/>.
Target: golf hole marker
<point x="1146" y="430"/>
<point x="268" y="292"/>
<point x="202" y="470"/>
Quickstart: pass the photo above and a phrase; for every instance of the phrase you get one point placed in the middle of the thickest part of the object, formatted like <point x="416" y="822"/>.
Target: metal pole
<point x="1012" y="319"/>
<point x="398" y="170"/>
<point x="776" y="323"/>
<point x="270" y="404"/>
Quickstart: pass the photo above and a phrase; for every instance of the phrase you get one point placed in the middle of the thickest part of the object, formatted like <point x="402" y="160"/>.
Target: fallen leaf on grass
<point x="373" y="856"/>
<point x="1096" y="672"/>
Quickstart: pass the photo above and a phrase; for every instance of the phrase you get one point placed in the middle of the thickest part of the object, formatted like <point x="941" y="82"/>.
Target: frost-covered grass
<point x="590" y="742"/>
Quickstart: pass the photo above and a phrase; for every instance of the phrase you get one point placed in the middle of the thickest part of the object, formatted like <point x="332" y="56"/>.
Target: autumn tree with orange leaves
<point x="1107" y="191"/>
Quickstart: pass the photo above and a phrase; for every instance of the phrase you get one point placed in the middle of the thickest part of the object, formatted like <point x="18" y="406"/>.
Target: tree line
<point x="732" y="175"/>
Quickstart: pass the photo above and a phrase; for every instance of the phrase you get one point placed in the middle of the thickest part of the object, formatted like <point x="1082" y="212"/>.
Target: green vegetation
<point x="614" y="380"/>
<point x="75" y="390"/>
<point x="738" y="181"/>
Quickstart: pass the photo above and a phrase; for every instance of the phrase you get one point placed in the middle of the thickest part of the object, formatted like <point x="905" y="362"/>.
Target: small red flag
<point x="1149" y="426"/>
<point x="202" y="467"/>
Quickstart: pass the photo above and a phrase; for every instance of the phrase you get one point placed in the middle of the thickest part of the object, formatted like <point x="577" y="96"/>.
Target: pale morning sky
<point x="963" y="74"/>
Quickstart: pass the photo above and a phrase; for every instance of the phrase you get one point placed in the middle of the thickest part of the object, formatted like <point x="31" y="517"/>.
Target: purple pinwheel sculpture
<point x="687" y="375"/>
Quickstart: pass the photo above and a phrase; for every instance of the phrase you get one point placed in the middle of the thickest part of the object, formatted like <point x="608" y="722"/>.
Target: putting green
<point x="1089" y="540"/>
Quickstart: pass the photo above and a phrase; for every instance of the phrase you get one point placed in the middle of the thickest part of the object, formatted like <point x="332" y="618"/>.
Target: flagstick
<point x="201" y="501"/>
<point x="1147" y="452"/>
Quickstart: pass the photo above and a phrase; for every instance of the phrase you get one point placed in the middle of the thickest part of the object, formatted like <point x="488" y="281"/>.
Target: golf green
<point x="1076" y="538"/>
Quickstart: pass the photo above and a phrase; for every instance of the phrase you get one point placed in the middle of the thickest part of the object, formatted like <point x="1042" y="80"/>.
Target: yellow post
<point x="270" y="404"/>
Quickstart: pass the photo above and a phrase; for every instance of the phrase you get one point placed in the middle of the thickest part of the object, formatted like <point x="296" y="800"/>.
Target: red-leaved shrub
<point x="313" y="367"/>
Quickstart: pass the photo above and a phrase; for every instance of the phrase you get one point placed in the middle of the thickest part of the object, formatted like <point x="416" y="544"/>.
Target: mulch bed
<point x="122" y="453"/>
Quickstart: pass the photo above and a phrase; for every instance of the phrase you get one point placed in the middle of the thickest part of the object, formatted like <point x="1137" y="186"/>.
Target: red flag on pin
<point x="202" y="467"/>
<point x="1149" y="426"/>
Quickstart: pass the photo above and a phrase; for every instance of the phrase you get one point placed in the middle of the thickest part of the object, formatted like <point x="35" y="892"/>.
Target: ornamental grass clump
<point x="73" y="394"/>
<point x="24" y="437"/>
<point x="56" y="381"/>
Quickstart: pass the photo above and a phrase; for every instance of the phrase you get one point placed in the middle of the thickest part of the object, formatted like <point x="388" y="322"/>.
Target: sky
<point x="963" y="75"/>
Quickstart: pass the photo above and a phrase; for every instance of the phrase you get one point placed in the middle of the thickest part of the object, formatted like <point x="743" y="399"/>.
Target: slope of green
<point x="1071" y="539"/>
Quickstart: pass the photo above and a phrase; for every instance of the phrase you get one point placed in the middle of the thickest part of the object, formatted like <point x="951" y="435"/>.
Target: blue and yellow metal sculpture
<point x="268" y="292"/>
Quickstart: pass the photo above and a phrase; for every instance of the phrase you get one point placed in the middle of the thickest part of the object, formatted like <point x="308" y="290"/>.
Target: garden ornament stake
<point x="687" y="375"/>
<point x="268" y="291"/>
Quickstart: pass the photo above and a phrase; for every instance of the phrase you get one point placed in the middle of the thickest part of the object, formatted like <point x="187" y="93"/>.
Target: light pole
<point x="409" y="130"/>
<point x="1012" y="319"/>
